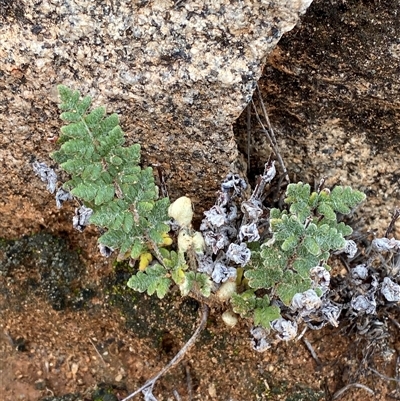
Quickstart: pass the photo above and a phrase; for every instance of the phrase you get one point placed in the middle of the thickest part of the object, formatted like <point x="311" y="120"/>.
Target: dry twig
<point x="148" y="386"/>
<point x="382" y="376"/>
<point x="98" y="353"/>
<point x="395" y="216"/>
<point x="270" y="133"/>
<point x="248" y="135"/>
<point x="312" y="351"/>
<point x="339" y="393"/>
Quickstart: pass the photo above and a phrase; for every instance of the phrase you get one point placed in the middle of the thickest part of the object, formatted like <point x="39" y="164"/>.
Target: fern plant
<point x="107" y="178"/>
<point x="303" y="237"/>
<point x="225" y="259"/>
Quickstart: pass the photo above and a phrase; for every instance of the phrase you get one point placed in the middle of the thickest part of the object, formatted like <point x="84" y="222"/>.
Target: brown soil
<point x="115" y="340"/>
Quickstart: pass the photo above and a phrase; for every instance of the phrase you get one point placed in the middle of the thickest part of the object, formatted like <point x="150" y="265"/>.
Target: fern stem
<point x="88" y="130"/>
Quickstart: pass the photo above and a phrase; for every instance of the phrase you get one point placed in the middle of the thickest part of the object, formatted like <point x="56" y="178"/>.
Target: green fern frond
<point x="106" y="176"/>
<point x="265" y="313"/>
<point x="153" y="280"/>
<point x="243" y="303"/>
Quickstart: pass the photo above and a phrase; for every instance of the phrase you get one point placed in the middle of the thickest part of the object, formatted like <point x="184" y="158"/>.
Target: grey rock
<point x="179" y="74"/>
<point x="331" y="88"/>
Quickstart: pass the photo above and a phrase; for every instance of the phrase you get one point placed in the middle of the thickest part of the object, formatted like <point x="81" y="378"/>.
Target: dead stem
<point x="248" y="135"/>
<point x="312" y="351"/>
<point x="382" y="376"/>
<point x="270" y="133"/>
<point x="97" y="352"/>
<point x="189" y="382"/>
<point x="339" y="393"/>
<point x="395" y="216"/>
<point x="177" y="396"/>
<point x="148" y="386"/>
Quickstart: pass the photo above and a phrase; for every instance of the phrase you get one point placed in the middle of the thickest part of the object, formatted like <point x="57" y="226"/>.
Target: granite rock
<point x="331" y="87"/>
<point x="178" y="72"/>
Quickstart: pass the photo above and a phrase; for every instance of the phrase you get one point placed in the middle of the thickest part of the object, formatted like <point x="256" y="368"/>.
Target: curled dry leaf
<point x="287" y="330"/>
<point x="239" y="254"/>
<point x="249" y="231"/>
<point x="252" y="210"/>
<point x="105" y="250"/>
<point x="46" y="174"/>
<point x="359" y="273"/>
<point x="235" y="182"/>
<point x="331" y="313"/>
<point x="62" y="196"/>
<point x="260" y="341"/>
<point x="216" y="216"/>
<point x="390" y="290"/>
<point x="306" y="303"/>
<point x="321" y="278"/>
<point x="385" y="244"/>
<point x="364" y="303"/>
<point x="81" y="218"/>
<point x="350" y="249"/>
<point x="222" y="273"/>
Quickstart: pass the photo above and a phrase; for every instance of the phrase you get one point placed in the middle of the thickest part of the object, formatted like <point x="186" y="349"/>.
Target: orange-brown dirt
<point x="115" y="339"/>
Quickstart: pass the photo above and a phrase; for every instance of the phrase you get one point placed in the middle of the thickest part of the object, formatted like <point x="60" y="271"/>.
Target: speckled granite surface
<point x="178" y="72"/>
<point x="332" y="90"/>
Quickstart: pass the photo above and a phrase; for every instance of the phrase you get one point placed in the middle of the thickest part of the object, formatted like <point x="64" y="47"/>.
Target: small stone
<point x="40" y="384"/>
<point x="74" y="369"/>
<point x="212" y="390"/>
